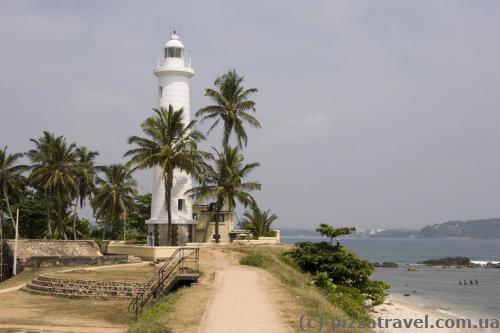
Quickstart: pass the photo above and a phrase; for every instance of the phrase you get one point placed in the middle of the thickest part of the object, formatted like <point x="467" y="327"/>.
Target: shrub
<point x="342" y="274"/>
<point x="350" y="300"/>
<point x="374" y="291"/>
<point x="342" y="266"/>
<point x="254" y="259"/>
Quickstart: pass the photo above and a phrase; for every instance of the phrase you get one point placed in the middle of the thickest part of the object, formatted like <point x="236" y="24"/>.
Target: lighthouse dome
<point x="174" y="41"/>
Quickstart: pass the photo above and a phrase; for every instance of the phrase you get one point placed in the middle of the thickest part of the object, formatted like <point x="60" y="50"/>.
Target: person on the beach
<point x="465" y="282"/>
<point x="459" y="282"/>
<point x="471" y="282"/>
<point x="477" y="282"/>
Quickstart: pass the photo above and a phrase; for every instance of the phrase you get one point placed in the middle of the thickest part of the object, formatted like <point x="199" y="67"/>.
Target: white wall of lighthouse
<point x="173" y="72"/>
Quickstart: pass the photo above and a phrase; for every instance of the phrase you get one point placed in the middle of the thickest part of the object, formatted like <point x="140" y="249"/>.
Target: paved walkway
<point x="240" y="302"/>
<point x="6" y="290"/>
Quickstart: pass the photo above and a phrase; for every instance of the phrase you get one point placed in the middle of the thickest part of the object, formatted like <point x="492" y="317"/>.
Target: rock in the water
<point x="447" y="261"/>
<point x="386" y="264"/>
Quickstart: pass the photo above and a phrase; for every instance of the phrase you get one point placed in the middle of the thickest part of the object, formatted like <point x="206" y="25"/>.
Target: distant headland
<point x="476" y="229"/>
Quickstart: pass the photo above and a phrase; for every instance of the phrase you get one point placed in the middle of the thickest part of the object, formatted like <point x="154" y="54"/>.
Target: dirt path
<point x="240" y="303"/>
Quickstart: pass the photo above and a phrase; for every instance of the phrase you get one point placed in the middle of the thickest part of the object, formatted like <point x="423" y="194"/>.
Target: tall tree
<point x="332" y="232"/>
<point x="231" y="105"/>
<point x="114" y="193"/>
<point x="224" y="183"/>
<point x="258" y="221"/>
<point x="84" y="179"/>
<point x="53" y="171"/>
<point x="169" y="143"/>
<point x="10" y="177"/>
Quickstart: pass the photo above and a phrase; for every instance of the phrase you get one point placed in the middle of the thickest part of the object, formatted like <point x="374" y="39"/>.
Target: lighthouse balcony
<point x="173" y="64"/>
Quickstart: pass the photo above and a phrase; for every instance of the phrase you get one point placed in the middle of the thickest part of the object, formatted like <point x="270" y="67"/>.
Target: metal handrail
<point x="163" y="277"/>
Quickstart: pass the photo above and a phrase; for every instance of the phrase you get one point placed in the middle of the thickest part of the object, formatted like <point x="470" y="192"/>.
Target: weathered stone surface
<point x="83" y="288"/>
<point x="27" y="248"/>
<point x="47" y="261"/>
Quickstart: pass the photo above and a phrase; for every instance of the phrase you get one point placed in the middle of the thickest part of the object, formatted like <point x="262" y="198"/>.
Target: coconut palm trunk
<point x="218" y="210"/>
<point x="74" y="217"/>
<point x="168" y="206"/>
<point x="4" y="190"/>
<point x="47" y="212"/>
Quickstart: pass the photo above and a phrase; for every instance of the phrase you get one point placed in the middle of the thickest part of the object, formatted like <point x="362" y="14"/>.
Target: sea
<point x="436" y="287"/>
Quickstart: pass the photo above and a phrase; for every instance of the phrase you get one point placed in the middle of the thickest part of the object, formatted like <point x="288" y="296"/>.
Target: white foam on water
<point x="484" y="262"/>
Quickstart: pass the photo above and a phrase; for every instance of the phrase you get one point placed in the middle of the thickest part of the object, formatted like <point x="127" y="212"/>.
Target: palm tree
<point x="225" y="184"/>
<point x="169" y="144"/>
<point x="84" y="179"/>
<point x="114" y="193"/>
<point x="232" y="106"/>
<point x="10" y="177"/>
<point x="53" y="171"/>
<point x="258" y="221"/>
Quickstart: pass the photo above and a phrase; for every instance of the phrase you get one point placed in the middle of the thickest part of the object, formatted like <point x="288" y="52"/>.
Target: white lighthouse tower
<point x="173" y="71"/>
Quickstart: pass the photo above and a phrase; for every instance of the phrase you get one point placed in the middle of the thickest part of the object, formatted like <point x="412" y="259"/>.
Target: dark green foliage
<point x="255" y="259"/>
<point x="343" y="275"/>
<point x="342" y="266"/>
<point x="139" y="213"/>
<point x="32" y="217"/>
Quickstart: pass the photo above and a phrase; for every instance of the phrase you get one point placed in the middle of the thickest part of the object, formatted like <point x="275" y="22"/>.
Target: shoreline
<point x="395" y="307"/>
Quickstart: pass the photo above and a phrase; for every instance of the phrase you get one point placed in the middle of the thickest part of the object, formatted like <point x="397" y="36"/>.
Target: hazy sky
<point x="374" y="113"/>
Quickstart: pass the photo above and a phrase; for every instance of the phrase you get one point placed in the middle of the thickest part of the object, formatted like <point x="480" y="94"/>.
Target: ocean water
<point x="435" y="286"/>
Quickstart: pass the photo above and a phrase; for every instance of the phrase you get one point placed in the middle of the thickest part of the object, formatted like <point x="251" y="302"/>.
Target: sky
<point x="374" y="113"/>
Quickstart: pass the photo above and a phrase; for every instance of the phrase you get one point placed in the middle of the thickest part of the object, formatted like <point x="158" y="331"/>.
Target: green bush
<point x="374" y="291"/>
<point x="342" y="274"/>
<point x="342" y="266"/>
<point x="254" y="259"/>
<point x="350" y="300"/>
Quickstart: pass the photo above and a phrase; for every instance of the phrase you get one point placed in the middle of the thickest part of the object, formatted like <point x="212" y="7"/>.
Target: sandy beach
<point x="397" y="308"/>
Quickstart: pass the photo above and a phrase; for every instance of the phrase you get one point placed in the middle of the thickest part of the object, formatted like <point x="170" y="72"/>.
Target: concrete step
<point x="127" y="289"/>
<point x="84" y="288"/>
<point x="72" y="292"/>
<point x="52" y="279"/>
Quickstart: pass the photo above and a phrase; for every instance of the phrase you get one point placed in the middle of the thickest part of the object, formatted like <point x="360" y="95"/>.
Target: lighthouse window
<point x="160" y="91"/>
<point x="173" y="52"/>
<point x="179" y="204"/>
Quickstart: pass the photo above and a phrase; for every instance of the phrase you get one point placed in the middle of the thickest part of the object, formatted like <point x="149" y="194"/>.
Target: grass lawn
<point x="133" y="273"/>
<point x="20" y="307"/>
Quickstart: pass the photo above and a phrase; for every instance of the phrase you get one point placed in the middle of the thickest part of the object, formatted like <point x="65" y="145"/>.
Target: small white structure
<point x="173" y="71"/>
